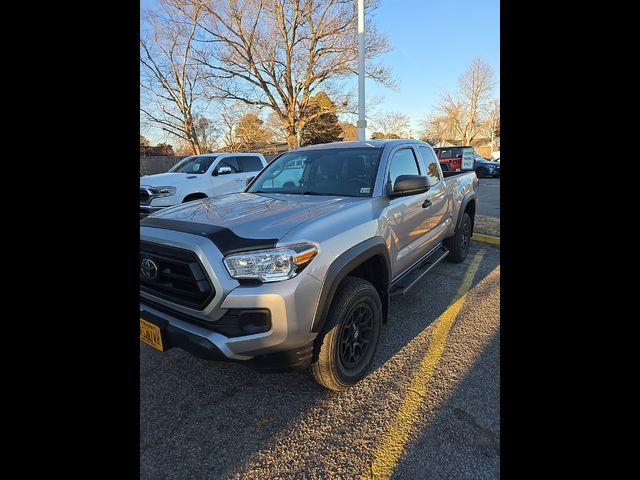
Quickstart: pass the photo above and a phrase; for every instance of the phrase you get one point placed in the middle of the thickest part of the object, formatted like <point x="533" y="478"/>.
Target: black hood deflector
<point x="223" y="238"/>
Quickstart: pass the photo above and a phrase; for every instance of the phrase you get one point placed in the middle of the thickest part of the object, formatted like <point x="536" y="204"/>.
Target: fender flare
<point x="339" y="269"/>
<point x="195" y="193"/>
<point x="463" y="205"/>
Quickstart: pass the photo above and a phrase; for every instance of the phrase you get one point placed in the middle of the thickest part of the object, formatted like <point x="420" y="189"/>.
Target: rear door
<point x="226" y="176"/>
<point x="408" y="219"/>
<point x="438" y="212"/>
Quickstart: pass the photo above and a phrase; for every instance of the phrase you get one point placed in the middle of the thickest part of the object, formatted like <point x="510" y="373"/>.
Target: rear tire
<point x="355" y="316"/>
<point x="458" y="245"/>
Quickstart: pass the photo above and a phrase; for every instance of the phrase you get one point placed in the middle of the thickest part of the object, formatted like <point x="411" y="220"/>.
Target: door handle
<point x="427" y="203"/>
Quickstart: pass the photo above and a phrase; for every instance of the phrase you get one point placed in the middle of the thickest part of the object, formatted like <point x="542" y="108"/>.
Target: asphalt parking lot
<point x="489" y="197"/>
<point x="429" y="408"/>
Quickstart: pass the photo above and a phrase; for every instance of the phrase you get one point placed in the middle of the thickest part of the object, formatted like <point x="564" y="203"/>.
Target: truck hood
<point x="169" y="179"/>
<point x="251" y="215"/>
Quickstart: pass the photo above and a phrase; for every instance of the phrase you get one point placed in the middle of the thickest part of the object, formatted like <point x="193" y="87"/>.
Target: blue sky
<point x="434" y="41"/>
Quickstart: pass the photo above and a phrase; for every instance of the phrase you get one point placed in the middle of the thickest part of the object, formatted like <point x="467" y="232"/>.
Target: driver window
<point x="403" y="163"/>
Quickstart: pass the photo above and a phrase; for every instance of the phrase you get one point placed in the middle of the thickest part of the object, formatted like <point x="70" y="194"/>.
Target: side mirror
<point x="224" y="170"/>
<point x="250" y="179"/>
<point x="408" y="185"/>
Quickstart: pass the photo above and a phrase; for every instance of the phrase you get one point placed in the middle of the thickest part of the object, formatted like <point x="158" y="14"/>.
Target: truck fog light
<point x="255" y="321"/>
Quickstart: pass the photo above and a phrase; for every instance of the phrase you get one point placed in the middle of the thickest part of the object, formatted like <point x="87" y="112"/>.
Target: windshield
<point x="349" y="172"/>
<point x="198" y="165"/>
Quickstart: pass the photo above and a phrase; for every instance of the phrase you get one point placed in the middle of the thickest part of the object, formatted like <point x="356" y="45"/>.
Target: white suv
<point x="198" y="176"/>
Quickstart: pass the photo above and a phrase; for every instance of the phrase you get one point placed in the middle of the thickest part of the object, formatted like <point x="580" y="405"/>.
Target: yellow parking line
<point x="394" y="440"/>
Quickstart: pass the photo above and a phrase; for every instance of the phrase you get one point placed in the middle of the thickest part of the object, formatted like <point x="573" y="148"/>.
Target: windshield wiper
<point x="314" y="193"/>
<point x="292" y="193"/>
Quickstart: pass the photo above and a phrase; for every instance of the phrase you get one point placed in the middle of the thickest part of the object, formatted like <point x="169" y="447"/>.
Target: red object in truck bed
<point x="450" y="158"/>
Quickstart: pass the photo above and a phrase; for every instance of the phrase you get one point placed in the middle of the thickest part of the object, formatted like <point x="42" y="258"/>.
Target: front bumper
<point x="291" y="305"/>
<point x="202" y="347"/>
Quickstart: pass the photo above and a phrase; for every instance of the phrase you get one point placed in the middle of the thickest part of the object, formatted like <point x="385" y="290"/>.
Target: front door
<point x="226" y="177"/>
<point x="408" y="219"/>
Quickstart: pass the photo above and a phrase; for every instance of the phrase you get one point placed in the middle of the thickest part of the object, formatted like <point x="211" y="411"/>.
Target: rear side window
<point x="433" y="174"/>
<point x="231" y="162"/>
<point x="249" y="164"/>
<point x="403" y="163"/>
<point x="445" y="153"/>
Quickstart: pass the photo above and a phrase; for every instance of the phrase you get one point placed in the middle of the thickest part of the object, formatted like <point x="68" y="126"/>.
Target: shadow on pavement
<point x="462" y="439"/>
<point x="202" y="419"/>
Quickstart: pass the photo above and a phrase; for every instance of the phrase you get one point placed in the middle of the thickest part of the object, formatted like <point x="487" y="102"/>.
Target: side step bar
<point x="409" y="279"/>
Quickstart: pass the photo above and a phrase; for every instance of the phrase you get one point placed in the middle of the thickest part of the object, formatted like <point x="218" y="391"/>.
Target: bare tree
<point x="276" y="53"/>
<point x="461" y="116"/>
<point x="443" y="125"/>
<point x="183" y="149"/>
<point x="207" y="132"/>
<point x="277" y="132"/>
<point x="391" y="125"/>
<point x="492" y="124"/>
<point x="476" y="86"/>
<point x="170" y="80"/>
<point x="230" y="115"/>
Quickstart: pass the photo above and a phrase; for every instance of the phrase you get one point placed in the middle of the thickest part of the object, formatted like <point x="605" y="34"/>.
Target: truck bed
<point x="449" y="174"/>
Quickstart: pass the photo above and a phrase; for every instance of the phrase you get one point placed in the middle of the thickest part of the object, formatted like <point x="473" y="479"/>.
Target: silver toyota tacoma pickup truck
<point x="297" y="270"/>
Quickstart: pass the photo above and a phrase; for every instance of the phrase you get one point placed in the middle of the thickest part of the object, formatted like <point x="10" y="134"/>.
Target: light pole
<point x="362" y="122"/>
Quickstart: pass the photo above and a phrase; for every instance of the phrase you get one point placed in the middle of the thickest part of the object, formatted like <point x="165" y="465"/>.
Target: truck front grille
<point x="175" y="275"/>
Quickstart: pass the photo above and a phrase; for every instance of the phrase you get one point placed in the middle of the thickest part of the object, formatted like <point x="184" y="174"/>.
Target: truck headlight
<point x="271" y="265"/>
<point x="162" y="191"/>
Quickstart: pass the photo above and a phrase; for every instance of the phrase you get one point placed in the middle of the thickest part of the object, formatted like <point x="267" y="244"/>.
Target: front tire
<point x="458" y="245"/>
<point x="348" y="342"/>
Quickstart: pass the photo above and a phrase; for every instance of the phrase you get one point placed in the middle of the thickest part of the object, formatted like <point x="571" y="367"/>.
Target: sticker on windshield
<point x="365" y="189"/>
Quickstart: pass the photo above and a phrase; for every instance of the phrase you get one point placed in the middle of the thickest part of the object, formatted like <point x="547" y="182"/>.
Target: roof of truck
<point x="453" y="146"/>
<point x="378" y="143"/>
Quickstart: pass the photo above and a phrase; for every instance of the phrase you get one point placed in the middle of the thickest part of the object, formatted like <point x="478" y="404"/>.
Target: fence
<point x="160" y="164"/>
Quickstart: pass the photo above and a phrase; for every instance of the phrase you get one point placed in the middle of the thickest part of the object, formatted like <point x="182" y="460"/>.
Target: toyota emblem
<point x="148" y="269"/>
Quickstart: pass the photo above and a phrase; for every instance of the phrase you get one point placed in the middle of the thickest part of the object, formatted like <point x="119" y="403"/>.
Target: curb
<point x="486" y="239"/>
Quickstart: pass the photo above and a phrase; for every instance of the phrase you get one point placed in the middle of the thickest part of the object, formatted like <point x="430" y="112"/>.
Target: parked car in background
<point x="485" y="168"/>
<point x="197" y="177"/>
<point x="455" y="158"/>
